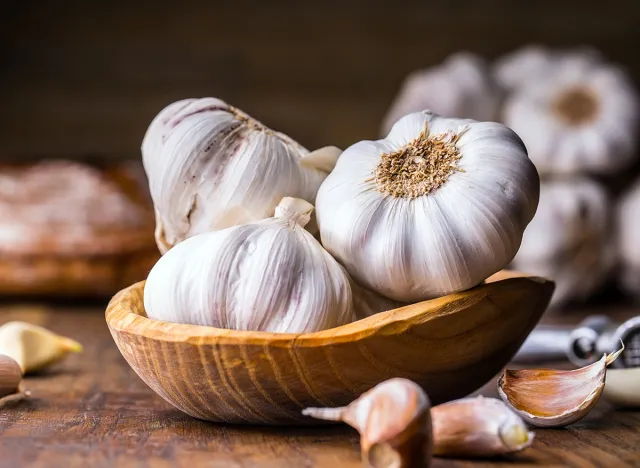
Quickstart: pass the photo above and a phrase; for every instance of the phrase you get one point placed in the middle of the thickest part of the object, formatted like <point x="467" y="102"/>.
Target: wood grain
<point x="93" y="411"/>
<point x="451" y="346"/>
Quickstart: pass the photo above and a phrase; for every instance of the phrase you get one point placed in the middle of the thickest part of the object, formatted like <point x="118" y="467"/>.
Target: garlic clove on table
<point x="34" y="347"/>
<point x="569" y="240"/>
<point x="477" y="427"/>
<point x="270" y="275"/>
<point x="211" y="166"/>
<point x="459" y="87"/>
<point x="436" y="207"/>
<point x="554" y="398"/>
<point x="10" y="376"/>
<point x="393" y="421"/>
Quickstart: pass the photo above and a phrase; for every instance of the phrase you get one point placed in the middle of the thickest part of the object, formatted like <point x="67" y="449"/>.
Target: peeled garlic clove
<point x="10" y="376"/>
<point x="211" y="166"/>
<point x="466" y="187"/>
<point x="477" y="427"/>
<point x="393" y="421"/>
<point x="569" y="239"/>
<point x="270" y="275"/>
<point x="554" y="398"/>
<point x="34" y="347"/>
<point x="623" y="387"/>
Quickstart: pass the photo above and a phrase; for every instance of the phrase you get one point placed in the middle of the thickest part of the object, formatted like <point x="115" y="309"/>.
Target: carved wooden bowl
<point x="451" y="346"/>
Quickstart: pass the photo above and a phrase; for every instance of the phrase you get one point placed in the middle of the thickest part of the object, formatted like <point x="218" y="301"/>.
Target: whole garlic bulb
<point x="460" y="87"/>
<point x="271" y="275"/>
<point x="628" y="239"/>
<point x="211" y="166"/>
<point x="576" y="115"/>
<point x="568" y="239"/>
<point x="436" y="207"/>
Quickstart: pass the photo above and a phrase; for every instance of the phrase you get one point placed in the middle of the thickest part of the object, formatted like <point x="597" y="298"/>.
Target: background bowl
<point x="451" y="346"/>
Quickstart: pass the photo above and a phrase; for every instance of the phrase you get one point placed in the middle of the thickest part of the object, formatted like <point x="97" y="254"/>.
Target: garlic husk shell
<point x="554" y="398"/>
<point x="459" y="87"/>
<point x="211" y="166"/>
<point x="394" y="423"/>
<point x="628" y="247"/>
<point x="34" y="347"/>
<point x="470" y="227"/>
<point x="623" y="387"/>
<point x="10" y="376"/>
<point x="603" y="142"/>
<point x="477" y="427"/>
<point x="271" y="275"/>
<point x="569" y="239"/>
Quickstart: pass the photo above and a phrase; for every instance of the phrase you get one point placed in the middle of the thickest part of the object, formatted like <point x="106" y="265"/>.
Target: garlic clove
<point x="34" y="347"/>
<point x="623" y="387"/>
<point x="554" y="398"/>
<point x="477" y="427"/>
<point x="10" y="376"/>
<point x="393" y="421"/>
<point x="323" y="159"/>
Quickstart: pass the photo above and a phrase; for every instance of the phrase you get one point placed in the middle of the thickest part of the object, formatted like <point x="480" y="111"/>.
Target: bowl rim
<point x="125" y="314"/>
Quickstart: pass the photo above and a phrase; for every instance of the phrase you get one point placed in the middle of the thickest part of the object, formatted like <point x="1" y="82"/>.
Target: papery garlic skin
<point x="477" y="427"/>
<point x="628" y="245"/>
<point x="449" y="239"/>
<point x="211" y="166"/>
<point x="459" y="87"/>
<point x="576" y="115"/>
<point x="271" y="275"/>
<point x="367" y="302"/>
<point x="569" y="239"/>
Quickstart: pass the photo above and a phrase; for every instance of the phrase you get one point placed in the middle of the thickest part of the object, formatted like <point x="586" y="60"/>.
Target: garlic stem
<point x="296" y="210"/>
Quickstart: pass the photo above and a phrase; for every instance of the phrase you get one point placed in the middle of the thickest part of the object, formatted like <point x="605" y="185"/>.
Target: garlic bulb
<point x="436" y="207"/>
<point x="568" y="239"/>
<point x="271" y="275"/>
<point x="519" y="67"/>
<point x="627" y="216"/>
<point x="211" y="166"/>
<point x="459" y="87"/>
<point x="577" y="114"/>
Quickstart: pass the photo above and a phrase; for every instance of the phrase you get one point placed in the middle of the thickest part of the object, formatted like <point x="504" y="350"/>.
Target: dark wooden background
<point x="85" y="78"/>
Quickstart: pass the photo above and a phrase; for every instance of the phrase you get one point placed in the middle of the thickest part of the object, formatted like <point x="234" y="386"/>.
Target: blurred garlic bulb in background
<point x="520" y="67"/>
<point x="271" y="275"/>
<point x="436" y="207"/>
<point x="568" y="240"/>
<point x="576" y="114"/>
<point x="459" y="87"/>
<point x="211" y="166"/>
<point x="628" y="239"/>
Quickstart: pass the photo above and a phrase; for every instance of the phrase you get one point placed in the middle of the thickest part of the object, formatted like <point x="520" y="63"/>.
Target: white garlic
<point x="367" y="303"/>
<point x="568" y="240"/>
<point x="211" y="166"/>
<point x="271" y="275"/>
<point x="459" y="87"/>
<point x="628" y="239"/>
<point x="436" y="207"/>
<point x="577" y="114"/>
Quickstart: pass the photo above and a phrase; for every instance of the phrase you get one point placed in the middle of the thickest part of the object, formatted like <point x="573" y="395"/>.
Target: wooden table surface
<point x="93" y="411"/>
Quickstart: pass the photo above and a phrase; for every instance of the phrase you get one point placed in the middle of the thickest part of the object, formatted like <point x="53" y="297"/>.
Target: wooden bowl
<point x="451" y="346"/>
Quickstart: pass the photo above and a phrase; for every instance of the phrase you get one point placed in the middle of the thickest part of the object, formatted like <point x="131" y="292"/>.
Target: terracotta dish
<point x="451" y="346"/>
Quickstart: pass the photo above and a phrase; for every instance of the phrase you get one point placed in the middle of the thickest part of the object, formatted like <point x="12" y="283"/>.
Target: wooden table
<point x="93" y="411"/>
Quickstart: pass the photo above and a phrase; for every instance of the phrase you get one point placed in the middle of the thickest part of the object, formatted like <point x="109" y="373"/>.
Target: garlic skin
<point x="568" y="240"/>
<point x="459" y="87"/>
<point x="554" y="398"/>
<point x="393" y="421"/>
<point x="477" y="427"/>
<point x="436" y="207"/>
<point x="576" y="115"/>
<point x="211" y="166"/>
<point x="34" y="347"/>
<point x="627" y="216"/>
<point x="271" y="275"/>
<point x="367" y="303"/>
